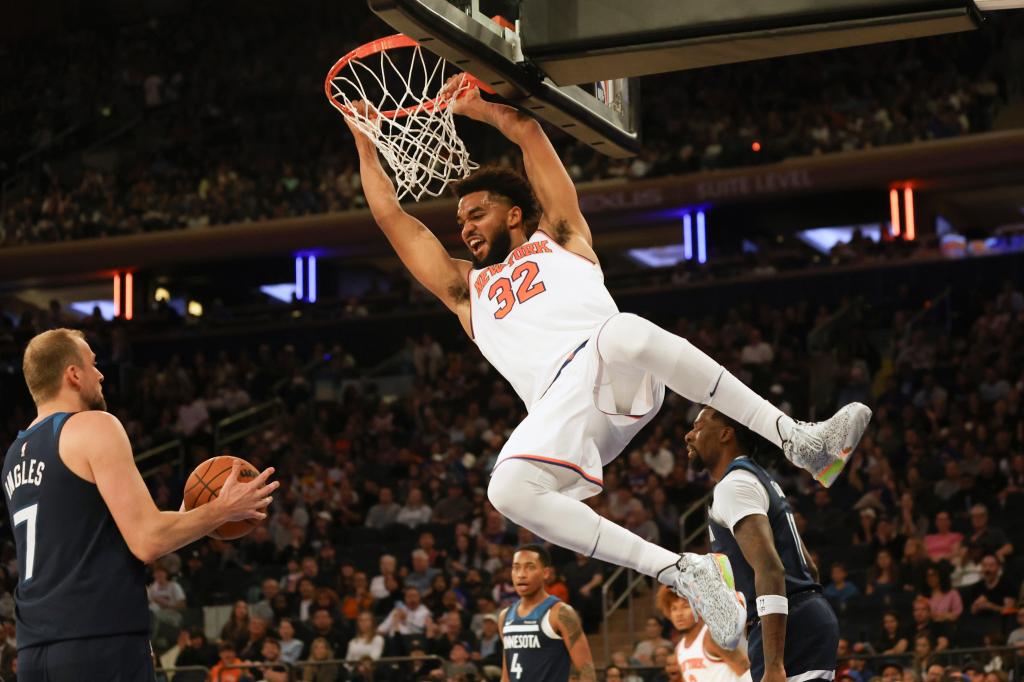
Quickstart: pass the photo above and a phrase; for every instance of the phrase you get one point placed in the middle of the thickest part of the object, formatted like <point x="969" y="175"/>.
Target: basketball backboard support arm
<point x="471" y="46"/>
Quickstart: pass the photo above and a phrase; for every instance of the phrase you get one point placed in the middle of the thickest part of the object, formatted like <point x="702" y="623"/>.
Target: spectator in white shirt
<point x="166" y="598"/>
<point x="409" y="617"/>
<point x="757" y="351"/>
<point x="388" y="567"/>
<point x="366" y="642"/>
<point x="415" y="512"/>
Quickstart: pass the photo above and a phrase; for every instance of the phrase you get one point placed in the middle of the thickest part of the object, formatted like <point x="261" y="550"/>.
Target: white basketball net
<point x="404" y="114"/>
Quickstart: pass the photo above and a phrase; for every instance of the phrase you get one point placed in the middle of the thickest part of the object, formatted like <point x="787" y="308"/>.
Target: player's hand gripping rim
<point x="246" y="501"/>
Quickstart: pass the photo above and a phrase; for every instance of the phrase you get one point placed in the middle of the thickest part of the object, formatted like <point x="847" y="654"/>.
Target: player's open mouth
<point x="475" y="245"/>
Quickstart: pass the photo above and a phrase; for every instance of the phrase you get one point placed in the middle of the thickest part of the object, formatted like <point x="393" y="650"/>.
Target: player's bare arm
<point x="567" y="624"/>
<point x="754" y="536"/>
<point x="417" y="247"/>
<point x="554" y="189"/>
<point x="504" y="663"/>
<point x="736" y="659"/>
<point x="94" y="446"/>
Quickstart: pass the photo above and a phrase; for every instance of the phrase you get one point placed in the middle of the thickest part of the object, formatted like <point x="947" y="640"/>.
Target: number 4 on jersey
<point x="514" y="667"/>
<point x="501" y="289"/>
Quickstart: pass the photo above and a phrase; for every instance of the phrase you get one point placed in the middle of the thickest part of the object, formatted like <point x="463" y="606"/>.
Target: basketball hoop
<point x="404" y="111"/>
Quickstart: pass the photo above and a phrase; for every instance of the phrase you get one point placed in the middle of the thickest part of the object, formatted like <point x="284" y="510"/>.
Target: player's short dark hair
<point x="749" y="442"/>
<point x="540" y="550"/>
<point x="503" y="182"/>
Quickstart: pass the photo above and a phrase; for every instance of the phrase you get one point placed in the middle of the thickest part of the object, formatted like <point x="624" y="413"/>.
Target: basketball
<point x="205" y="482"/>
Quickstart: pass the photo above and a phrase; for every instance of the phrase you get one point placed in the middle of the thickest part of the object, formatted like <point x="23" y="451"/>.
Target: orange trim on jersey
<point x="553" y="241"/>
<point x="558" y="462"/>
<point x="469" y="290"/>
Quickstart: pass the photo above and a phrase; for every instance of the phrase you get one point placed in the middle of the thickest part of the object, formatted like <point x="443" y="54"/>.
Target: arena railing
<point x="248" y="421"/>
<point x="293" y="672"/>
<point x="147" y="458"/>
<point x="633" y="581"/>
<point x="1010" y="659"/>
<point x="686" y="539"/>
<point x="170" y="673"/>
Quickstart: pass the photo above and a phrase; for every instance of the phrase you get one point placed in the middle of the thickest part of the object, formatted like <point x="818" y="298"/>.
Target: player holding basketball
<point x="84" y="524"/>
<point x="699" y="658"/>
<point x="794" y="632"/>
<point x="542" y="636"/>
<point x="533" y="299"/>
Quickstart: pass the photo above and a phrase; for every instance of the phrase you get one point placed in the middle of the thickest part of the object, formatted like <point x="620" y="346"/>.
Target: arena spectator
<point x="414" y="512"/>
<point x="458" y="663"/>
<point x="893" y="639"/>
<point x="223" y="670"/>
<point x="944" y="544"/>
<point x="408" y="617"/>
<point x="422" y="573"/>
<point x="366" y="641"/>
<point x="988" y="539"/>
<point x="643" y="651"/>
<point x="166" y="598"/>
<point x="291" y="646"/>
<point x="236" y="630"/>
<point x="316" y="670"/>
<point x="840" y="590"/>
<point x="385" y="512"/>
<point x="944" y="601"/>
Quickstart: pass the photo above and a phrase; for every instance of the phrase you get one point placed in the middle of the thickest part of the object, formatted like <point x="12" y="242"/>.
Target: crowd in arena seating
<point x="382" y="542"/>
<point x="216" y="143"/>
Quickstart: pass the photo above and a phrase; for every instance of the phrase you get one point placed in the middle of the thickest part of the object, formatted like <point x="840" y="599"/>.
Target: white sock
<point x="526" y="493"/>
<point x="627" y="339"/>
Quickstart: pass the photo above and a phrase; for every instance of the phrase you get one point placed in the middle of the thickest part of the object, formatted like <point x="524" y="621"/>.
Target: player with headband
<point x="793" y="631"/>
<point x="532" y="297"/>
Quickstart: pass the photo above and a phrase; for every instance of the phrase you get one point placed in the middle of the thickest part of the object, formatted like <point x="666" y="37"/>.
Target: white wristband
<point x="772" y="603"/>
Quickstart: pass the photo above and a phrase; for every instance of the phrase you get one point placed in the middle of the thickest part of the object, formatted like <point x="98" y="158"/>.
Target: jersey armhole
<point x="58" y="432"/>
<point x="545" y="624"/>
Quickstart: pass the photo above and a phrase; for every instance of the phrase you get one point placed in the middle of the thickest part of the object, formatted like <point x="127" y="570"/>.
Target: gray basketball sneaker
<point x="823" y="448"/>
<point x="706" y="581"/>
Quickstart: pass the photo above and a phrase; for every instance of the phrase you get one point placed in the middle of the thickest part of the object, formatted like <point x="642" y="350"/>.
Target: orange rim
<point x="392" y="42"/>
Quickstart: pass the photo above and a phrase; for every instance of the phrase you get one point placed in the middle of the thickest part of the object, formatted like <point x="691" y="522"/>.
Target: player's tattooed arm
<point x="571" y="630"/>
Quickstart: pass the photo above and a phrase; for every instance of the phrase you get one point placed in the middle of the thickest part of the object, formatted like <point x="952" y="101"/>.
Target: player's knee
<point x="625" y="338"/>
<point x="502" y="492"/>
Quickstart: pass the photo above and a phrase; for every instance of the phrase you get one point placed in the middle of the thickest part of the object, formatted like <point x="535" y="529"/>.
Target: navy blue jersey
<point x="533" y="652"/>
<point x="784" y="533"/>
<point x="76" y="575"/>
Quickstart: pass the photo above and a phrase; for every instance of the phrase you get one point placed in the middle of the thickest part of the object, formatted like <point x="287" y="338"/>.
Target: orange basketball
<point x="205" y="482"/>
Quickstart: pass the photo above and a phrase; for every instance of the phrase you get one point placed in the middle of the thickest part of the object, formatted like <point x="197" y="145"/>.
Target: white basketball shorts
<point x="577" y="424"/>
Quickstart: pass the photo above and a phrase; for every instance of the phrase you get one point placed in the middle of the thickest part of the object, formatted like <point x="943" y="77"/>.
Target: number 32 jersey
<point x="76" y="576"/>
<point x="531" y="312"/>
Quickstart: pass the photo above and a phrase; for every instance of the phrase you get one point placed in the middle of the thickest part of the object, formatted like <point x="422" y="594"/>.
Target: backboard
<point x="575" y="63"/>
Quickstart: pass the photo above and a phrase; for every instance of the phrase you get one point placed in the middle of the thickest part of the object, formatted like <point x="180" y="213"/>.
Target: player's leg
<point x="528" y="493"/>
<point x="118" y="658"/>
<point x="821" y="448"/>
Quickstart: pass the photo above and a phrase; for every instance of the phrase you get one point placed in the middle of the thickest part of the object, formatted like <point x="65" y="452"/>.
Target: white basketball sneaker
<point x="706" y="581"/>
<point x="823" y="448"/>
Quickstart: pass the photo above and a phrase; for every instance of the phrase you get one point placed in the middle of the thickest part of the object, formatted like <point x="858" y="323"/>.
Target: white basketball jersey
<point x="696" y="666"/>
<point x="532" y="311"/>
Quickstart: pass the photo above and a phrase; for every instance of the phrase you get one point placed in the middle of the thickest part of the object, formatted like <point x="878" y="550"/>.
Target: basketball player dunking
<point x="533" y="299"/>
<point x="542" y="636"/>
<point x="698" y="657"/>
<point x="84" y="524"/>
